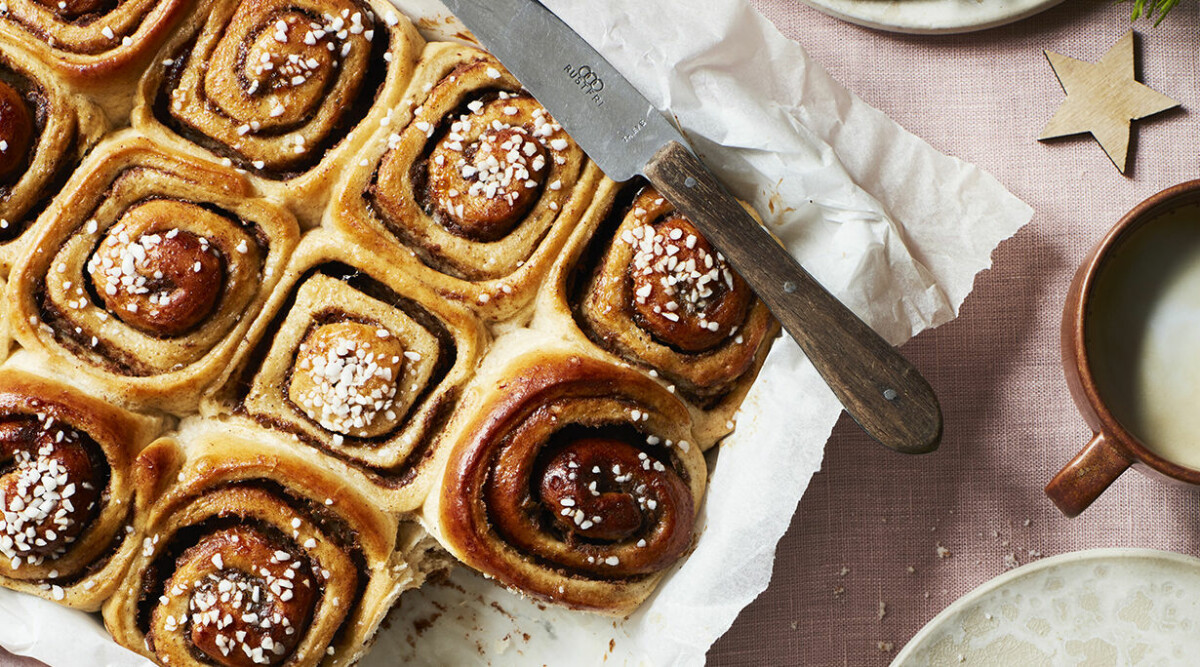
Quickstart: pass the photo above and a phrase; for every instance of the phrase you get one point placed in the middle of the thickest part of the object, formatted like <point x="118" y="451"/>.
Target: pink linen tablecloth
<point x="859" y="571"/>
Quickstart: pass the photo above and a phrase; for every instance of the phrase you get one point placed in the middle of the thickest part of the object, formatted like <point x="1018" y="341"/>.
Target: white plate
<point x="1099" y="607"/>
<point x="931" y="16"/>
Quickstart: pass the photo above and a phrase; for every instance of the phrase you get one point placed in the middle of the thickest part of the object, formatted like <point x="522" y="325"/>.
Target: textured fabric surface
<point x="871" y="514"/>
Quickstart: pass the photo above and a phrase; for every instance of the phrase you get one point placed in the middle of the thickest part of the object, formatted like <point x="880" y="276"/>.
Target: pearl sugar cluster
<point x="506" y="157"/>
<point x="350" y="381"/>
<point x="687" y="284"/>
<point x="40" y="518"/>
<point x="122" y="261"/>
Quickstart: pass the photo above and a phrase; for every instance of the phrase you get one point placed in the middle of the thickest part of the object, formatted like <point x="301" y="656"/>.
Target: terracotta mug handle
<point x="1081" y="481"/>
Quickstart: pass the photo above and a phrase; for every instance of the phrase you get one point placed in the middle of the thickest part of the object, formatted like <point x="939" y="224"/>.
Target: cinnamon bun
<point x="473" y="185"/>
<point x="146" y="273"/>
<point x="359" y="361"/>
<point x="252" y="554"/>
<point x="66" y="488"/>
<point x="287" y="90"/>
<point x="570" y="479"/>
<point x="639" y="281"/>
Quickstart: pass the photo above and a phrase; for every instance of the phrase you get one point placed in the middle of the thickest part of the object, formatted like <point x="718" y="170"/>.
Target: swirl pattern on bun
<point x="572" y="480"/>
<point x="286" y="90"/>
<point x="67" y="489"/>
<point x="148" y="272"/>
<point x="473" y="185"/>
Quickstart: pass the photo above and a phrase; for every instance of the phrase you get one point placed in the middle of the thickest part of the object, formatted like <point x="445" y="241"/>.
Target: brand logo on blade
<point x="588" y="81"/>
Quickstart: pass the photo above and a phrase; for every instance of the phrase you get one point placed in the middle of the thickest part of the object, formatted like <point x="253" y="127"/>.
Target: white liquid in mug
<point x="1143" y="333"/>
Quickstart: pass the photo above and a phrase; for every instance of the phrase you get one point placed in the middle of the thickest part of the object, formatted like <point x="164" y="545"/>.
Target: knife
<point x="625" y="135"/>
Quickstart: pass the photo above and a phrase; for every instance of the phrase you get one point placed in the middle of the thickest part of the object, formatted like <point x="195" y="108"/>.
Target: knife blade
<point x="626" y="136"/>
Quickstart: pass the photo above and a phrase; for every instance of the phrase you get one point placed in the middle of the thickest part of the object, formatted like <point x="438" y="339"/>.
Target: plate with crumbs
<point x="1097" y="607"/>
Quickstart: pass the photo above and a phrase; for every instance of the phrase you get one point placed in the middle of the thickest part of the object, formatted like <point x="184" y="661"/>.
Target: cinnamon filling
<point x="16" y="130"/>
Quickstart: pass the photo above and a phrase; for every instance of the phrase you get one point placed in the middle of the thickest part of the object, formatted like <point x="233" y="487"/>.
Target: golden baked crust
<point x="340" y="396"/>
<point x="67" y="491"/>
<point x="106" y="277"/>
<point x="255" y="83"/>
<point x="445" y="188"/>
<point x="225" y="509"/>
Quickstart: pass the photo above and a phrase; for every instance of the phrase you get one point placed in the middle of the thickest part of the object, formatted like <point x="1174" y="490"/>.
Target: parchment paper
<point x="895" y="229"/>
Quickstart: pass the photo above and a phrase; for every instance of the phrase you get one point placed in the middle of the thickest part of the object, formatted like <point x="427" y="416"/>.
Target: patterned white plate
<point x="1099" y="607"/>
<point x="931" y="16"/>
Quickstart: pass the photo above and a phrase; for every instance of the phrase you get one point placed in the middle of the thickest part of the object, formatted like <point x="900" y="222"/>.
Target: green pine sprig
<point x="1152" y="9"/>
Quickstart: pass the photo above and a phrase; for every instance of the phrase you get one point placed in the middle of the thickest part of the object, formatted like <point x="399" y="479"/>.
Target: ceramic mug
<point x="1114" y="448"/>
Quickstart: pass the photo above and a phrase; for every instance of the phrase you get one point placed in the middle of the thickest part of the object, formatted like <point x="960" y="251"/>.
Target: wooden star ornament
<point x="1103" y="98"/>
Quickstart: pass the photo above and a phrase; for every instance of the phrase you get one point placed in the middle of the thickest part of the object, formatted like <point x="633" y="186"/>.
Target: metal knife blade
<point x="614" y="123"/>
<point x="625" y="135"/>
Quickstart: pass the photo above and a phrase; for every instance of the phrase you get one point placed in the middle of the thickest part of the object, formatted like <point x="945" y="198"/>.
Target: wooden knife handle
<point x="879" y="388"/>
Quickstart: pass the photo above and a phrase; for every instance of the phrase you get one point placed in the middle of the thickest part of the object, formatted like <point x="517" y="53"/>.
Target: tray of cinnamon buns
<point x="301" y="310"/>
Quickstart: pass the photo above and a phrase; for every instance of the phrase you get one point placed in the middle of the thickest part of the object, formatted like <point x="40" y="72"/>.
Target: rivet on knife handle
<point x="879" y="388"/>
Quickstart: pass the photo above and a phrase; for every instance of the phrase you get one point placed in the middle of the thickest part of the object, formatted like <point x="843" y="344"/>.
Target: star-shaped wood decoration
<point x="1103" y="98"/>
